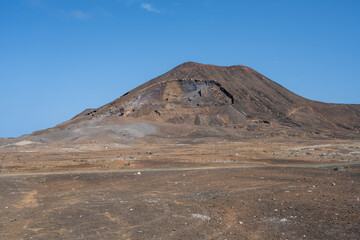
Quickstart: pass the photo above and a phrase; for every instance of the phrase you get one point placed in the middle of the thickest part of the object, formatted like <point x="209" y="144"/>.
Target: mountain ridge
<point x="225" y="96"/>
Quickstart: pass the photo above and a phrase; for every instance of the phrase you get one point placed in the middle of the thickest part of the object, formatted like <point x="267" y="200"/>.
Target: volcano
<point x="196" y="99"/>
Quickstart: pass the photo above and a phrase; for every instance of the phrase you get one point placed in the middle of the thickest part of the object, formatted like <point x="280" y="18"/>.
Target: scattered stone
<point x="199" y="216"/>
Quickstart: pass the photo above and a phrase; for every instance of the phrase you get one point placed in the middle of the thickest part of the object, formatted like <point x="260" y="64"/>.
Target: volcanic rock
<point x="214" y="97"/>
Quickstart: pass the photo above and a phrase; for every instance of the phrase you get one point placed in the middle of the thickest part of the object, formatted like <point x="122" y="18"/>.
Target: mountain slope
<point x="194" y="94"/>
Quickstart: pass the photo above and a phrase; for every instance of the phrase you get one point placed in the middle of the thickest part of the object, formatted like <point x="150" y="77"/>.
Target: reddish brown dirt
<point x="203" y="189"/>
<point x="192" y="94"/>
<point x="177" y="153"/>
<point x="261" y="203"/>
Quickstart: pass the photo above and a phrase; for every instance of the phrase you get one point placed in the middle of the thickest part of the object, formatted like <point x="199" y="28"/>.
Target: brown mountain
<point x="205" y="97"/>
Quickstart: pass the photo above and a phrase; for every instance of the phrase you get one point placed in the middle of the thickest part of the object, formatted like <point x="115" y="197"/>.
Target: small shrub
<point x="33" y="169"/>
<point x="43" y="180"/>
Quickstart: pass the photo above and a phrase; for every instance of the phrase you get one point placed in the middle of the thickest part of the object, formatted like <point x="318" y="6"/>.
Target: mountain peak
<point x="225" y="96"/>
<point x="191" y="64"/>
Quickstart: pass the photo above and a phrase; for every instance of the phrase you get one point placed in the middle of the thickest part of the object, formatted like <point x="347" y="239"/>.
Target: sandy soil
<point x="153" y="153"/>
<point x="240" y="203"/>
<point x="183" y="189"/>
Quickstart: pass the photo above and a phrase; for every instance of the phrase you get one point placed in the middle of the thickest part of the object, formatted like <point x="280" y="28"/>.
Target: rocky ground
<point x="25" y="156"/>
<point x="184" y="189"/>
<point x="239" y="203"/>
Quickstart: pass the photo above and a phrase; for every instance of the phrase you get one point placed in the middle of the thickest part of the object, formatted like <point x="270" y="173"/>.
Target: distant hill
<point x="203" y="96"/>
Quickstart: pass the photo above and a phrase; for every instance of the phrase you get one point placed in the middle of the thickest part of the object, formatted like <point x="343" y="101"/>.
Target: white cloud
<point x="78" y="14"/>
<point x="148" y="7"/>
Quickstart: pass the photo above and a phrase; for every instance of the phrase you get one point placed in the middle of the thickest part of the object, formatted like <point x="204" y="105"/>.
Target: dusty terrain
<point x="183" y="152"/>
<point x="200" y="189"/>
<point x="236" y="203"/>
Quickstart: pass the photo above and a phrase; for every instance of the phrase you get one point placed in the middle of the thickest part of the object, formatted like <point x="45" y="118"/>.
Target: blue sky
<point x="58" y="57"/>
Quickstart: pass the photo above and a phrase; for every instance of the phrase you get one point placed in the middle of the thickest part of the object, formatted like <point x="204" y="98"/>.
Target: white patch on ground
<point x="152" y="200"/>
<point x="277" y="219"/>
<point x="223" y="160"/>
<point x="310" y="147"/>
<point x="23" y="143"/>
<point x="199" y="216"/>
